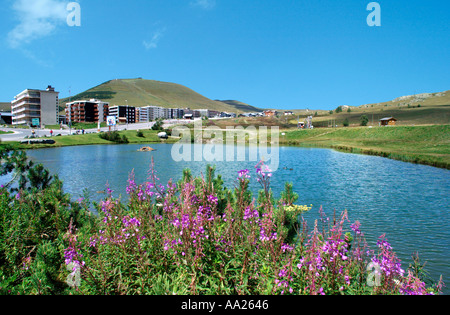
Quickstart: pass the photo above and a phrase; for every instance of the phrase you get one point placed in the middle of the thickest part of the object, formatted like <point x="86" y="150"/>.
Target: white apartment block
<point x="152" y="113"/>
<point x="203" y="112"/>
<point x="36" y="104"/>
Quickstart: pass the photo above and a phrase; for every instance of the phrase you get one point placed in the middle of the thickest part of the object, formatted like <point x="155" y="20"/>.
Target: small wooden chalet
<point x="388" y="121"/>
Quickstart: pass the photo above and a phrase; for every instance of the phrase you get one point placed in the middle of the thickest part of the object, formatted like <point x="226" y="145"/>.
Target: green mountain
<point x="242" y="106"/>
<point x="140" y="92"/>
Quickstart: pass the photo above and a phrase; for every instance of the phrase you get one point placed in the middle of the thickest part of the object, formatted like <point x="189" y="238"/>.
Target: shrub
<point x="158" y="126"/>
<point x="114" y="136"/>
<point x="364" y="120"/>
<point x="33" y="223"/>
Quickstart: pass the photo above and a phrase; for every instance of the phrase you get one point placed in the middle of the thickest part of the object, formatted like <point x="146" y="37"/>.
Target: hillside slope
<point x="241" y="106"/>
<point x="140" y="93"/>
<point x="420" y="109"/>
<point x="5" y="107"/>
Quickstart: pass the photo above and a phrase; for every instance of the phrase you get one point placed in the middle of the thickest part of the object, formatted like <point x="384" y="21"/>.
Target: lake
<point x="407" y="202"/>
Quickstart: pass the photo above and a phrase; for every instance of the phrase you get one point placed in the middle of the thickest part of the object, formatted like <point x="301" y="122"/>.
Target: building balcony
<point x="27" y="95"/>
<point x="26" y="109"/>
<point x="20" y="122"/>
<point x="24" y="103"/>
<point x="20" y="117"/>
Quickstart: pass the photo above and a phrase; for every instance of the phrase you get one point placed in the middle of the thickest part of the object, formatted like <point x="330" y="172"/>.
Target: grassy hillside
<point x="428" y="145"/>
<point x="6" y="107"/>
<point x="140" y="92"/>
<point x="420" y="109"/>
<point x="242" y="106"/>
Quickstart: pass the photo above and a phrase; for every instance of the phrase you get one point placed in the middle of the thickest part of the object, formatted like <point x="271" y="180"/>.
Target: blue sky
<point x="315" y="54"/>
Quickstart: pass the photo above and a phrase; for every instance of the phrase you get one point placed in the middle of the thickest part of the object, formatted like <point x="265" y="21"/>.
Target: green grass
<point x="428" y="145"/>
<point x="150" y="136"/>
<point x="52" y="127"/>
<point x="80" y="126"/>
<point x="140" y="92"/>
<point x="425" y="115"/>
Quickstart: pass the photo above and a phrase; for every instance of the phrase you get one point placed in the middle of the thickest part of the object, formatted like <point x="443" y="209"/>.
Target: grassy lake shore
<point x="148" y="137"/>
<point x="428" y="145"/>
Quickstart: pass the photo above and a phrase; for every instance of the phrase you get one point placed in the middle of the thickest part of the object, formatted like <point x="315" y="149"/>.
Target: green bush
<point x="158" y="126"/>
<point x="114" y="136"/>
<point x="364" y="120"/>
<point x="33" y="224"/>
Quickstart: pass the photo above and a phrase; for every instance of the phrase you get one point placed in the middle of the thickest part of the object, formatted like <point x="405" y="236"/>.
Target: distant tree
<point x="114" y="136"/>
<point x="339" y="110"/>
<point x="349" y="110"/>
<point x="364" y="120"/>
<point x="346" y="123"/>
<point x="331" y="112"/>
<point x="158" y="126"/>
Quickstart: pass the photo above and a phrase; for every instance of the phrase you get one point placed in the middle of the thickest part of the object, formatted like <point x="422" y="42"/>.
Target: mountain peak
<point x="140" y="92"/>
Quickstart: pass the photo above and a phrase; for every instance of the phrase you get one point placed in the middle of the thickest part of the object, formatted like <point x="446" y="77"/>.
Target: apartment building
<point x="202" y="112"/>
<point x="125" y="114"/>
<point x="87" y="111"/>
<point x="176" y="113"/>
<point x="137" y="114"/>
<point x="36" y="108"/>
<point x="152" y="113"/>
<point x="213" y="113"/>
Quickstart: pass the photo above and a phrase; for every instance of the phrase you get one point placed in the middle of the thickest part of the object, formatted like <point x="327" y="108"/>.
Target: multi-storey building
<point x="175" y="113"/>
<point x="213" y="113"/>
<point x="152" y="113"/>
<point x="125" y="114"/>
<point x="36" y="107"/>
<point x="143" y="114"/>
<point x="202" y="112"/>
<point x="86" y="111"/>
<point x="149" y="113"/>
<point x="137" y="115"/>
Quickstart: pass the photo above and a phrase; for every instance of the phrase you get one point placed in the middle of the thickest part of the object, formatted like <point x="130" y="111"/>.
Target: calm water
<point x="410" y="203"/>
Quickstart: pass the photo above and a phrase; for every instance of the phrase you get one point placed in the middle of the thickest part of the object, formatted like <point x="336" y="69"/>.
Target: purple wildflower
<point x="212" y="199"/>
<point x="244" y="174"/>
